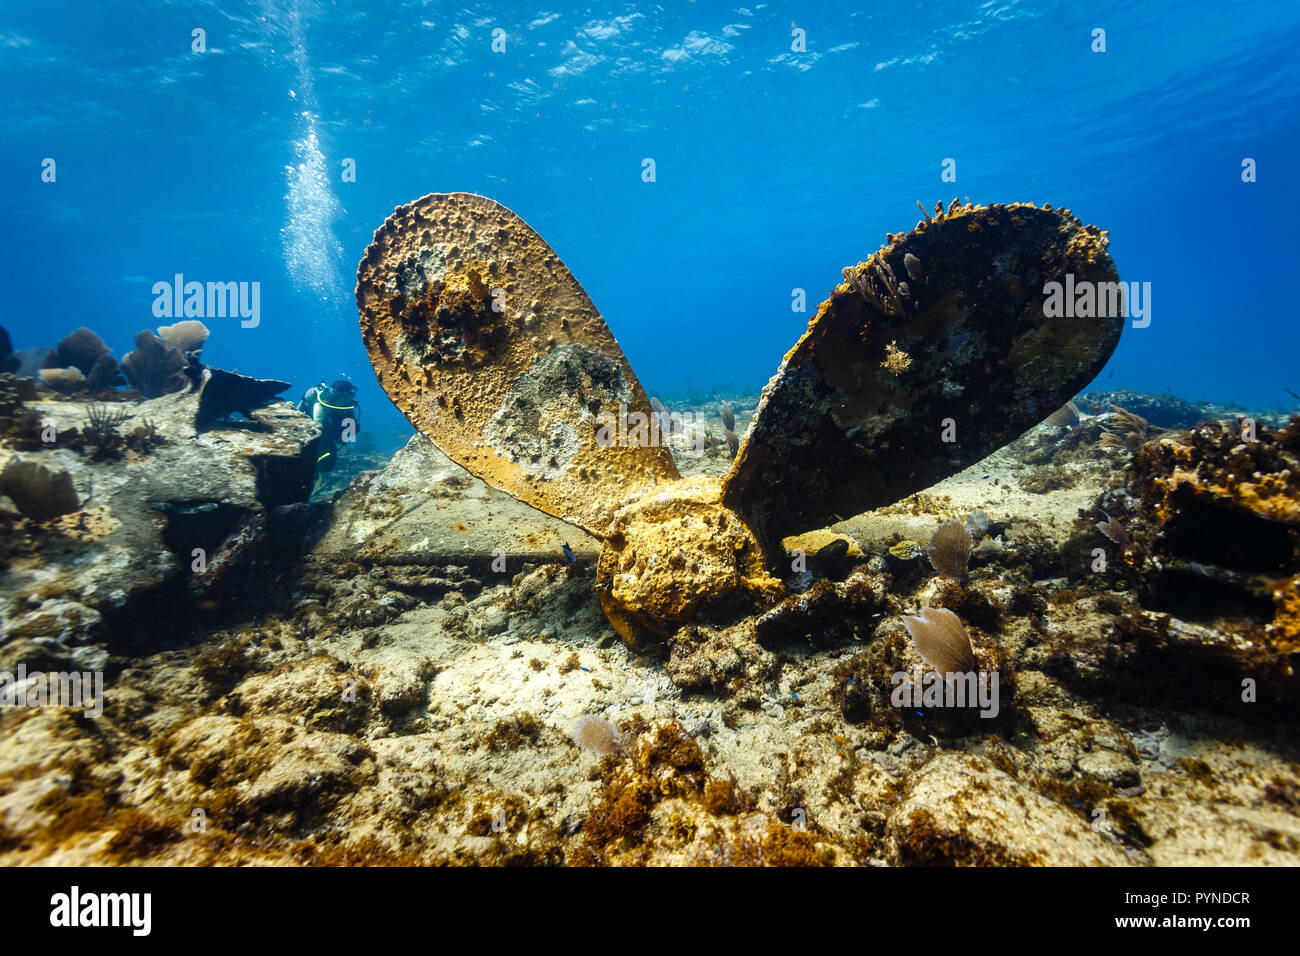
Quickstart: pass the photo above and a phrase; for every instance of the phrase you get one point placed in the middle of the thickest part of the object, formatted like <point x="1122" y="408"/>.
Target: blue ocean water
<point x="787" y="139"/>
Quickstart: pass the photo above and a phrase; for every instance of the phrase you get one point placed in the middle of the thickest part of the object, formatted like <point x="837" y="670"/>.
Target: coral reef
<point x="426" y="669"/>
<point x="129" y="500"/>
<point x="1161" y="411"/>
<point x="391" y="697"/>
<point x="1220" y="514"/>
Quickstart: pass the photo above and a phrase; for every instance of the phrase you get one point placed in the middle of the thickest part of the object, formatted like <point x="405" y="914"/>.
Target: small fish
<point x="733" y="442"/>
<point x="728" y="417"/>
<point x="661" y="413"/>
<point x="1066" y="415"/>
<point x="568" y="554"/>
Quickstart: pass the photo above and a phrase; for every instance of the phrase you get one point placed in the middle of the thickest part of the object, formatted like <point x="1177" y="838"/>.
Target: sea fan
<point x="1127" y="430"/>
<point x="105" y="373"/>
<point x="950" y="549"/>
<point x="599" y="735"/>
<point x="40" y="491"/>
<point x="913" y="266"/>
<point x="153" y="367"/>
<point x="79" y="350"/>
<point x="941" y="639"/>
<point x="187" y="336"/>
<point x="1113" y="530"/>
<point x="65" y="380"/>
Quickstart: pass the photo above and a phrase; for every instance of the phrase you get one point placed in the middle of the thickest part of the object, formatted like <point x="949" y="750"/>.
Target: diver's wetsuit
<point x="331" y="409"/>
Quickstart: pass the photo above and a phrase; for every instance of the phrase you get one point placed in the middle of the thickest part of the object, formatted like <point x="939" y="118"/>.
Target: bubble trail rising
<point x="312" y="253"/>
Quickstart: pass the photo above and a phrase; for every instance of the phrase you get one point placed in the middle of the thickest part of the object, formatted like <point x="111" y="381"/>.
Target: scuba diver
<point x="336" y="410"/>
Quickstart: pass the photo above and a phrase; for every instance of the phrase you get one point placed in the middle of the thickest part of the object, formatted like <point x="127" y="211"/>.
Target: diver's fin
<point x="489" y="345"/>
<point x="927" y="357"/>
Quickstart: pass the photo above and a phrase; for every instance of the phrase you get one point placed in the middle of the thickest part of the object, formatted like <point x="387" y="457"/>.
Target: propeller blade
<point x="487" y="343"/>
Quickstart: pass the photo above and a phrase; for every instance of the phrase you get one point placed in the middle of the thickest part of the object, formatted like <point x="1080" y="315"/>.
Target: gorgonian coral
<point x="950" y="549"/>
<point x="941" y="639"/>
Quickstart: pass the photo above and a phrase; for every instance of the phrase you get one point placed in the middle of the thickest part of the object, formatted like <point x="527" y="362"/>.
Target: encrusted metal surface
<point x="941" y="334"/>
<point x="488" y="344"/>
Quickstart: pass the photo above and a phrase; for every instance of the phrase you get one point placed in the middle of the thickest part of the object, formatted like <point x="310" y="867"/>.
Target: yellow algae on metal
<point x="674" y="552"/>
<point x="487" y="343"/>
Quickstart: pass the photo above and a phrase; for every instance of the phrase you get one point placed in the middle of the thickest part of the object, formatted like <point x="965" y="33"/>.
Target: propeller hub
<point x="674" y="553"/>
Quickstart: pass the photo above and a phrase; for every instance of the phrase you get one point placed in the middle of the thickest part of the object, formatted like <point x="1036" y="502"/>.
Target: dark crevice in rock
<point x="197" y="525"/>
<point x="1226" y="536"/>
<point x="1204" y="594"/>
<point x="285" y="481"/>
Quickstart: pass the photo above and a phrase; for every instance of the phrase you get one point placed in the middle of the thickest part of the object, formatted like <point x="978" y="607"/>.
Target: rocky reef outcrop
<point x="108" y="508"/>
<point x="406" y="703"/>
